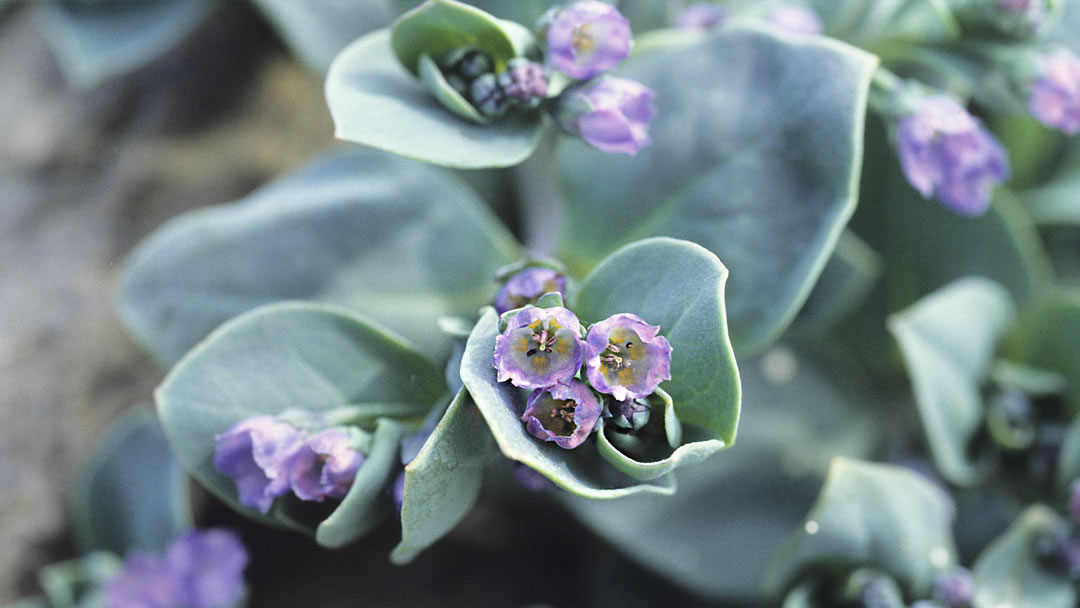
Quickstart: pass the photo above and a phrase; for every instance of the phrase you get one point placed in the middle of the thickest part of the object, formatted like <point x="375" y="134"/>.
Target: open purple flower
<point x="611" y="114"/>
<point x="563" y="413"/>
<point x="625" y="358"/>
<point x="1055" y="94"/>
<point x="199" y="570"/>
<point x="258" y="453"/>
<point x="795" y="20"/>
<point x="701" y="16"/>
<point x="944" y="152"/>
<point x="325" y="465"/>
<point x="540" y="347"/>
<point x="527" y="286"/>
<point x="587" y="38"/>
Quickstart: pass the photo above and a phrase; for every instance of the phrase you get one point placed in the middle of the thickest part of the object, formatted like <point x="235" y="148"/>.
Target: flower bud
<point x="610" y="114"/>
<point x="258" y="453"/>
<point x="527" y="286"/>
<point x="795" y="20"/>
<point x="1055" y="93"/>
<point x="325" y="465"/>
<point x="701" y="16"/>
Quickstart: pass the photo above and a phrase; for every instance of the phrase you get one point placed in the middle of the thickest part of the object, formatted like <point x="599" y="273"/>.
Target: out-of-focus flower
<point x="955" y="588"/>
<point x="610" y="114"/>
<point x="626" y="357"/>
<point x="524" y="82"/>
<point x="533" y="480"/>
<point x="1055" y="94"/>
<point x="944" y="152"/>
<point x="564" y="413"/>
<point x="587" y="38"/>
<point x="199" y="570"/>
<point x="325" y="465"/>
<point x="795" y="20"/>
<point x="258" y="453"/>
<point x="527" y="286"/>
<point x="701" y="16"/>
<point x="540" y="347"/>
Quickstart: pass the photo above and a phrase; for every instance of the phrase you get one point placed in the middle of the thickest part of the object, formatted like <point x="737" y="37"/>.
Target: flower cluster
<point x="268" y="457"/>
<point x="945" y="152"/>
<point x="471" y="72"/>
<point x="198" y="570"/>
<point x="1055" y="94"/>
<point x="622" y="358"/>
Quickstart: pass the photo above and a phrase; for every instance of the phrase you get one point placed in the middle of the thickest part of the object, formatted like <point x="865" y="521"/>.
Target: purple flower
<point x="540" y="347"/>
<point x="533" y="480"/>
<point x="199" y="570"/>
<point x="795" y="20"/>
<point x="325" y="465"/>
<point x="625" y="358"/>
<point x="701" y="16"/>
<point x="944" y="151"/>
<point x="524" y="81"/>
<point x="587" y="38"/>
<point x="955" y="589"/>
<point x="258" y="453"/>
<point x="563" y="413"/>
<point x="611" y="114"/>
<point x="1055" y="94"/>
<point x="630" y="415"/>
<point x="527" y="286"/>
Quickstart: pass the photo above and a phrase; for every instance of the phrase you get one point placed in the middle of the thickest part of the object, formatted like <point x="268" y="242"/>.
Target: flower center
<point x="581" y="40"/>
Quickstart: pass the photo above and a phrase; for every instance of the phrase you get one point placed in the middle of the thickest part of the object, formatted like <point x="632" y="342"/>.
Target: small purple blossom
<point x="1055" y="94"/>
<point x="540" y="347"/>
<point x="701" y="16"/>
<point x="524" y="81"/>
<point x="626" y="358"/>
<point x="630" y="415"/>
<point x="258" y="453"/>
<point x="564" y="413"/>
<point x="795" y="20"/>
<point x="325" y="465"/>
<point x="527" y="286"/>
<point x="199" y="570"/>
<point x="943" y="151"/>
<point x="955" y="589"/>
<point x="587" y="38"/>
<point x="610" y="114"/>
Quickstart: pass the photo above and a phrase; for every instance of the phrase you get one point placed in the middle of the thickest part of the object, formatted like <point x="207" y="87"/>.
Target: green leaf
<point x="1068" y="466"/>
<point x="356" y="228"/>
<point x="581" y="471"/>
<point x="95" y="41"/>
<point x="948" y="340"/>
<point x="438" y="27"/>
<point x="1055" y="202"/>
<point x="883" y="25"/>
<point x="77" y="583"/>
<point x="763" y="177"/>
<point x="680" y="287"/>
<point x="876" y="516"/>
<point x="1047" y="337"/>
<point x="443" y="481"/>
<point x="316" y="30"/>
<point x="292" y="355"/>
<point x="731" y="513"/>
<point x="376" y="102"/>
<point x="365" y="505"/>
<point x="1007" y="573"/>
<point x="132" y="493"/>
<point x="846" y="281"/>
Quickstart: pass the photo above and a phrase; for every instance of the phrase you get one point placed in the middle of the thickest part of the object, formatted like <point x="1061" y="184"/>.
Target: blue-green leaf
<point x="295" y="355"/>
<point x="77" y="583"/>
<point x="437" y="27"/>
<point x="680" y="287"/>
<point x="316" y="30"/>
<point x="846" y="281"/>
<point x="1047" y="336"/>
<point x="97" y="40"/>
<point x="948" y="340"/>
<point x="376" y="102"/>
<point x="443" y="480"/>
<point x="872" y="515"/>
<point x="581" y="471"/>
<point x="755" y="154"/>
<point x="399" y="242"/>
<point x="132" y="493"/>
<point x="1008" y="572"/>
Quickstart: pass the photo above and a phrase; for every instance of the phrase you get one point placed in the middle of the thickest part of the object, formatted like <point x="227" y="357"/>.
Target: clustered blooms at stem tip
<point x="544" y="349"/>
<point x="946" y="153"/>
<point x="199" y="570"/>
<point x="268" y="457"/>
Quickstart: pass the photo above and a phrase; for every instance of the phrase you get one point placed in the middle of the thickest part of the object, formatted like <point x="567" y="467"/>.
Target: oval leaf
<point x="317" y="30"/>
<point x="376" y="102"/>
<point x="289" y="355"/>
<point x="581" y="471"/>
<point x="437" y="27"/>
<point x="356" y="228"/>
<point x="762" y="177"/>
<point x="132" y="493"/>
<point x="1008" y="573"/>
<point x="680" y="287"/>
<point x="948" y="340"/>
<point x="443" y="481"/>
<point x="872" y="515"/>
